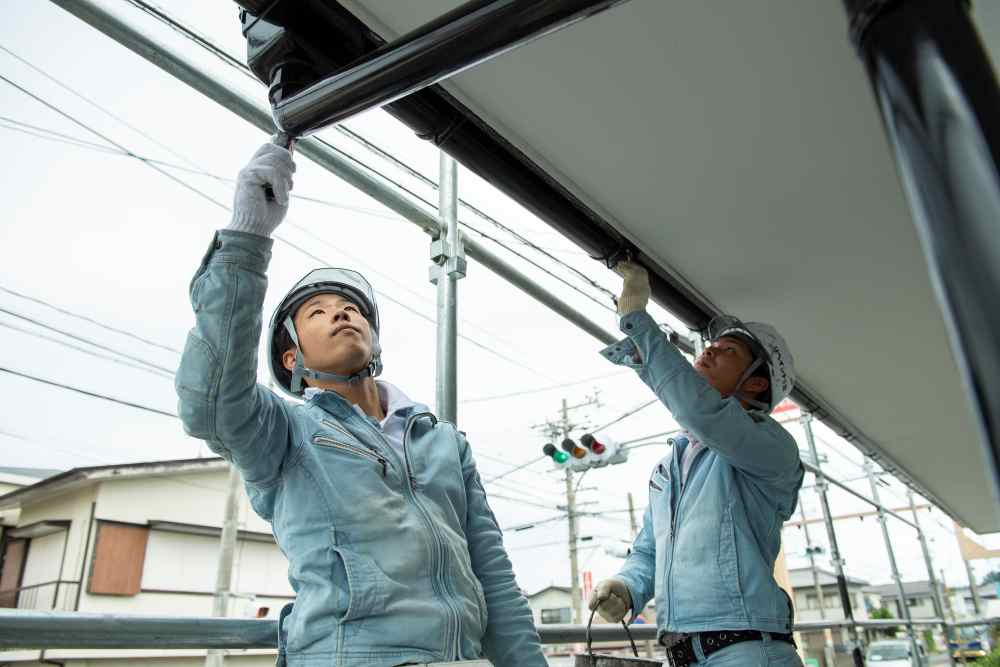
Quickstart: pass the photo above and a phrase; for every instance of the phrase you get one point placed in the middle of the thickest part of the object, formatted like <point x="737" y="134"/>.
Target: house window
<point x="11" y="570"/>
<point x="913" y="602"/>
<point x="119" y="554"/>
<point x="561" y="615"/>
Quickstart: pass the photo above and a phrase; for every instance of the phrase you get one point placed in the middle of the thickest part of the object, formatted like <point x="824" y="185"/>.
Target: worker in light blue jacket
<point x="393" y="551"/>
<point x="712" y="529"/>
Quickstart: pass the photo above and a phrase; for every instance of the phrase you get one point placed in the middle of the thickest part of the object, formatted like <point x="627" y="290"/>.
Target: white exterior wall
<point x="194" y="498"/>
<point x="74" y="507"/>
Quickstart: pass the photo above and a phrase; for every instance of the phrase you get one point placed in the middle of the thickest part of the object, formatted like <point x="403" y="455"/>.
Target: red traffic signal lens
<point x="598" y="448"/>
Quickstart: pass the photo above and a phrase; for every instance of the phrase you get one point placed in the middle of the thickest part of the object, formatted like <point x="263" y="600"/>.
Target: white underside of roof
<point x="738" y="144"/>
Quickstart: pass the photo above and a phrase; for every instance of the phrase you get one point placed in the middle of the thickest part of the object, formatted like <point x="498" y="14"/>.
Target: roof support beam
<point x="463" y="38"/>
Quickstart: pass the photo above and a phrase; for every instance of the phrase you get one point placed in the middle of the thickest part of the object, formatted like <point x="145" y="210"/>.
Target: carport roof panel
<point x="742" y="150"/>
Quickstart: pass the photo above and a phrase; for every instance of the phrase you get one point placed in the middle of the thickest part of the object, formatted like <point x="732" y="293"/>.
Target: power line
<point x="370" y="145"/>
<point x="626" y="415"/>
<point x="53" y="339"/>
<point x="92" y="394"/>
<point x="59" y="137"/>
<point x="219" y="204"/>
<point x="295" y="226"/>
<point x="230" y="60"/>
<point x="85" y="340"/>
<point x="517" y="500"/>
<point x="483" y="399"/>
<point x="516" y="468"/>
<point x="88" y="319"/>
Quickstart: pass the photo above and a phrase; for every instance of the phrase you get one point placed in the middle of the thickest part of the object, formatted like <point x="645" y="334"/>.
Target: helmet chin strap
<point x="760" y="405"/>
<point x="300" y="372"/>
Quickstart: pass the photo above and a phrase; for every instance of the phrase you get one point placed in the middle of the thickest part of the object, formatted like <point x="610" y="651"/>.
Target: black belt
<point x="682" y="653"/>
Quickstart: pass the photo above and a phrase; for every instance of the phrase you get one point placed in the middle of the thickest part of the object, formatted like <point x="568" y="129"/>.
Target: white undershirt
<point x="694" y="446"/>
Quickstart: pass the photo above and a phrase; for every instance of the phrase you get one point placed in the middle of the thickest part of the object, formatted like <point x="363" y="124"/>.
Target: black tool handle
<point x="284" y="140"/>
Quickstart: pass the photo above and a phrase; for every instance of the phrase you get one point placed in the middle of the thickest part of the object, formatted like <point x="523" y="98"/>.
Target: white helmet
<point x="768" y="347"/>
<point x="349" y="284"/>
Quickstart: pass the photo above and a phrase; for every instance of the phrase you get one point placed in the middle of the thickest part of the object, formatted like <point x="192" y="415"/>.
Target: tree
<point x="883" y="613"/>
<point x="991" y="577"/>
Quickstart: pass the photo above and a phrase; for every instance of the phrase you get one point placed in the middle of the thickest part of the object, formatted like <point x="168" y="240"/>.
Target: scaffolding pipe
<point x="831" y="533"/>
<point x="464" y="37"/>
<point x="449" y="267"/>
<point x="31" y="629"/>
<point x="893" y="567"/>
<point x="174" y="63"/>
<point x="931" y="577"/>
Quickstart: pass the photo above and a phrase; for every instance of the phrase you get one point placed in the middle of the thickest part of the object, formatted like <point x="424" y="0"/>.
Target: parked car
<point x="894" y="653"/>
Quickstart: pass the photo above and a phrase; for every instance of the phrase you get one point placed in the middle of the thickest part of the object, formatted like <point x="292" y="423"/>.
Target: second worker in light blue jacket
<point x="393" y="552"/>
<point x="712" y="529"/>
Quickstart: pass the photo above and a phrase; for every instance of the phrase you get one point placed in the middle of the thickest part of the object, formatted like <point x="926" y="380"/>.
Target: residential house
<point x="140" y="538"/>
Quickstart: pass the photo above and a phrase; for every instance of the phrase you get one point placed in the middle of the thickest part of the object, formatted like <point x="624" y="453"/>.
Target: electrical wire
<point x="370" y="145"/>
<point x="539" y="390"/>
<point x="626" y="415"/>
<point x="53" y="339"/>
<point x="230" y="60"/>
<point x="224" y="207"/>
<point x="87" y="341"/>
<point x="92" y="394"/>
<point x="516" y="468"/>
<point x="84" y="318"/>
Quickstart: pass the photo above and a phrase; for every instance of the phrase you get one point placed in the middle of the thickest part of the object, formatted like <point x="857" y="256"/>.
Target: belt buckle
<point x="669" y="640"/>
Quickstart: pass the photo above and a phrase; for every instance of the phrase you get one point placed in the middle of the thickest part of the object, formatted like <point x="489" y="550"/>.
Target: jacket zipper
<point x="337" y="427"/>
<point x="439" y="543"/>
<point x="353" y="449"/>
<point x="673" y="524"/>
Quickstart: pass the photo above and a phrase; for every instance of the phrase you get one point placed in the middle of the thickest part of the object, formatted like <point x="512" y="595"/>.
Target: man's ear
<point x="288" y="359"/>
<point x="754" y="384"/>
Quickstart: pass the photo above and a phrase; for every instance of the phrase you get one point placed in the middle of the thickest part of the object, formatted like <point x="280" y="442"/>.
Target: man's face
<point x="334" y="335"/>
<point x="723" y="363"/>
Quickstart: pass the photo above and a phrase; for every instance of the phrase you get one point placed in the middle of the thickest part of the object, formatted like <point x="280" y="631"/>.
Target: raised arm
<point x="219" y="398"/>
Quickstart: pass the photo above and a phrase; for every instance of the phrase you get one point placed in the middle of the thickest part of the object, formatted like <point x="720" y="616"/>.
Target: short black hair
<point x="282" y="343"/>
<point x="763" y="370"/>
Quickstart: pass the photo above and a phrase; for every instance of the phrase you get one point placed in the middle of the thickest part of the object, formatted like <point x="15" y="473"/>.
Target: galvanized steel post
<point x="831" y="532"/>
<point x="903" y="606"/>
<point x="937" y="597"/>
<point x="448" y="256"/>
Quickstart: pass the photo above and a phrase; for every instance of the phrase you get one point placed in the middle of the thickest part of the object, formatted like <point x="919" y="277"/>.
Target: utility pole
<point x="574" y="573"/>
<point x="560" y="430"/>
<point x="633" y="525"/>
<point x="227" y="548"/>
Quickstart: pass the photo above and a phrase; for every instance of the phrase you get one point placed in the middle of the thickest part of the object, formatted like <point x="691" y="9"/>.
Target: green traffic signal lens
<point x="560" y="457"/>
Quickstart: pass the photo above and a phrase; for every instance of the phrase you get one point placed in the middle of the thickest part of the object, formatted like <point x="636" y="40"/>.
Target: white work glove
<point x="635" y="290"/>
<point x="611" y="599"/>
<point x="252" y="212"/>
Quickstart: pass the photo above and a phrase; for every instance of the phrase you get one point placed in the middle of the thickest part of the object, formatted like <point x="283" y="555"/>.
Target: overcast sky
<point x="106" y="236"/>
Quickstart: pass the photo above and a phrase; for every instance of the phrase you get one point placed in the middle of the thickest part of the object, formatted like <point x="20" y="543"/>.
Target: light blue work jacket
<point x="393" y="559"/>
<point x="707" y="547"/>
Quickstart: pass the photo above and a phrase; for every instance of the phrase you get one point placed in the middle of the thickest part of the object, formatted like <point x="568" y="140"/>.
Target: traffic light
<point x="593" y="451"/>
<point x="575" y="450"/>
<point x="558" y="457"/>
